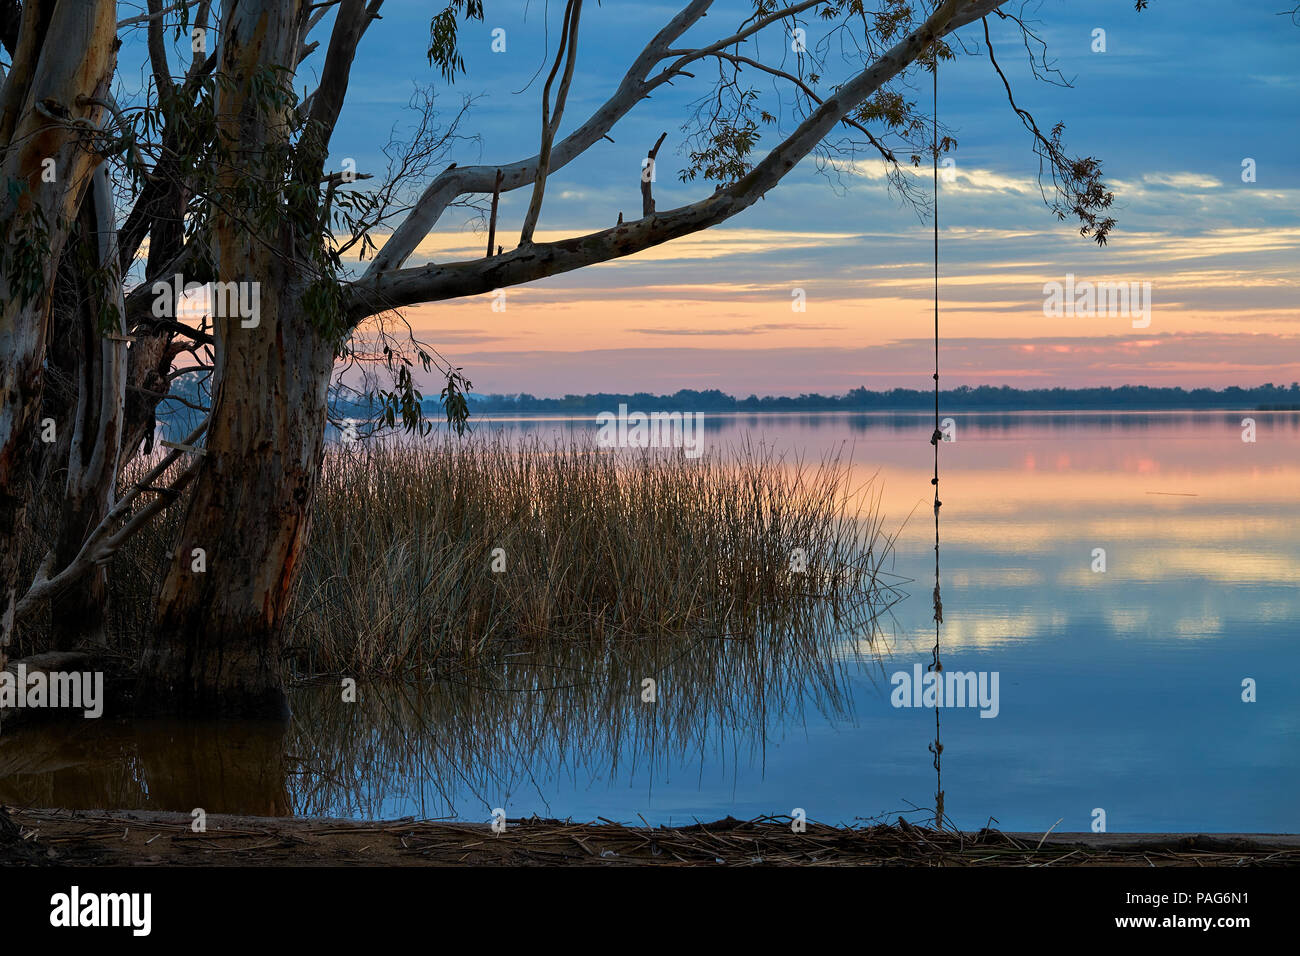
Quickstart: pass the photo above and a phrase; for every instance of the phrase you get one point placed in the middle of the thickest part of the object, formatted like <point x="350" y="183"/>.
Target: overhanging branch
<point x="460" y="180"/>
<point x="372" y="294"/>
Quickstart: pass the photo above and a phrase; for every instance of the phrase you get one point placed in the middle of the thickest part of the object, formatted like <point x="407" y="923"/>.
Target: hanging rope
<point x="936" y="666"/>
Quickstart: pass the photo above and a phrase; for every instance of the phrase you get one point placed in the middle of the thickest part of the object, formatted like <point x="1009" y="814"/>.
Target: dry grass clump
<point x="596" y="548"/>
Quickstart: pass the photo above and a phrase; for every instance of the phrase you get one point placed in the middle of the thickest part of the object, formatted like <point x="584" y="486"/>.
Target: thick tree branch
<point x="324" y="103"/>
<point x="328" y="100"/>
<point x="10" y="19"/>
<point x="158" y="55"/>
<point x="34" y="24"/>
<point x="199" y="65"/>
<point x="460" y="180"/>
<point x="373" y="294"/>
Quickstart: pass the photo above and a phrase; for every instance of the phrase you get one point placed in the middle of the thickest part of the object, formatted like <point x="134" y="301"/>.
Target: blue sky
<point x="1182" y="94"/>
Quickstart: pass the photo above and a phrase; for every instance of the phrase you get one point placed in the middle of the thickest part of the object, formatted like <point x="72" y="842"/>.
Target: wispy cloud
<point x="742" y="330"/>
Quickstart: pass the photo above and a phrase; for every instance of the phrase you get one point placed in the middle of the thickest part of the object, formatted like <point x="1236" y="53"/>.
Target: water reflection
<point x="1111" y="424"/>
<point x="221" y="766"/>
<point x="1119" y="690"/>
<point x="461" y="743"/>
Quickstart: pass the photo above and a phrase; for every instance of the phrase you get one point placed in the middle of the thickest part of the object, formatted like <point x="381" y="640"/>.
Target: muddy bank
<point x="89" y="838"/>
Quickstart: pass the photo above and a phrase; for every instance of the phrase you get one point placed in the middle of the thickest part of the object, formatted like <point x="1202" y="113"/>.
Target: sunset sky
<point x="1183" y="94"/>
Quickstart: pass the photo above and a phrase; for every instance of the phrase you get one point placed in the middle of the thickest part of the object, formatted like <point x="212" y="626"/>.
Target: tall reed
<point x="439" y="554"/>
<point x="446" y="551"/>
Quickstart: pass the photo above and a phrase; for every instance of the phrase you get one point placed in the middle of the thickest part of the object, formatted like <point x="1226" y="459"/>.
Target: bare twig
<point x="647" y="177"/>
<point x="551" y="123"/>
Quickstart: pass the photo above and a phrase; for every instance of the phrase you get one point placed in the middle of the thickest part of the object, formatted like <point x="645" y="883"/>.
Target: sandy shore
<point x="142" y="838"/>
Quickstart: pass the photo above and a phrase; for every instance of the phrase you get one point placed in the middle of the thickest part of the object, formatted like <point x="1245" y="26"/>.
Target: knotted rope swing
<point x="936" y="436"/>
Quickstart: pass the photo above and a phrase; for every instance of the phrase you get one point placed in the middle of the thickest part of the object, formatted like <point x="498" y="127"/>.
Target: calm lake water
<point x="1118" y="690"/>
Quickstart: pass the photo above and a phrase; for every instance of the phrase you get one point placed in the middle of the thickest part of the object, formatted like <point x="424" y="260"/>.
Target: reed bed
<point x="448" y="552"/>
<point x="597" y="550"/>
<point x="617" y="567"/>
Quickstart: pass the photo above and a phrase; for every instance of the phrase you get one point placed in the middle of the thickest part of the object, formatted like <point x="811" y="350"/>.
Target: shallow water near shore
<point x="1119" y="690"/>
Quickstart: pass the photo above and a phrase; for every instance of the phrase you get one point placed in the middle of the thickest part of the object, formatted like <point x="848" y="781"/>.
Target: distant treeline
<point x="180" y="420"/>
<point x="862" y="399"/>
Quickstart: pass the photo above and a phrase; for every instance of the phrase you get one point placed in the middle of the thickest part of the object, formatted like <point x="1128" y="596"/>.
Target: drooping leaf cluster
<point x="444" y="51"/>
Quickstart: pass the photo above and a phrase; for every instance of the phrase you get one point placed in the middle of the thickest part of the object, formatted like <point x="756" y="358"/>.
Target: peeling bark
<point x="80" y="613"/>
<point x="66" y="51"/>
<point x="218" y="633"/>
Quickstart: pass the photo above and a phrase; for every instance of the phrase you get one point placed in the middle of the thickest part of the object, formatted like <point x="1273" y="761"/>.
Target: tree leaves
<point x="443" y="52"/>
<point x="27" y="249"/>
